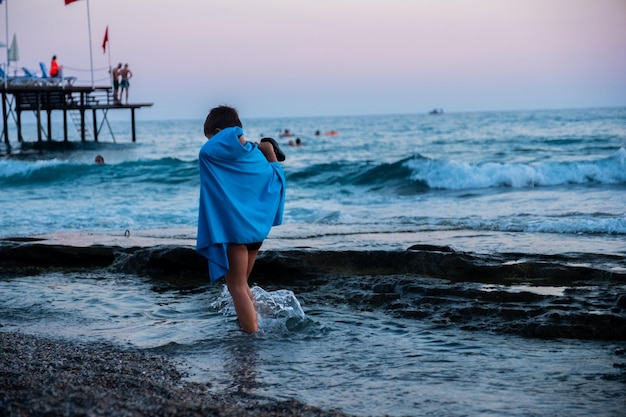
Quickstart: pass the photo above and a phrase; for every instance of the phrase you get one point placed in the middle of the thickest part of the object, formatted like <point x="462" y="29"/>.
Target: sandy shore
<point x="44" y="377"/>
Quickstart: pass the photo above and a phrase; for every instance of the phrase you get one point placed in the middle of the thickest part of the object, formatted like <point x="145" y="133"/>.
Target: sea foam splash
<point x="452" y="175"/>
<point x="276" y="310"/>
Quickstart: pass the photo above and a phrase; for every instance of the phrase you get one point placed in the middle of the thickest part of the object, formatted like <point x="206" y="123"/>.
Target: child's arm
<point x="266" y="147"/>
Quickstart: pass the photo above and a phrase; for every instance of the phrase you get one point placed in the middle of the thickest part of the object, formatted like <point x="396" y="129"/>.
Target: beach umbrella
<point x="14" y="52"/>
<point x="6" y="15"/>
<point x="4" y="78"/>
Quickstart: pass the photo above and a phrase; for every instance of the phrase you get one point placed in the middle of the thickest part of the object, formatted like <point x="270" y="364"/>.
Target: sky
<point x="288" y="58"/>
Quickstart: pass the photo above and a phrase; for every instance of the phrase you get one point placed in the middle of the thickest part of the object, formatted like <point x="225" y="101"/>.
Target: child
<point x="242" y="195"/>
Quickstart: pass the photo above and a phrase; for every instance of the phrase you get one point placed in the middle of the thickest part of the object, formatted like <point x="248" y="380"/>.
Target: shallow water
<point x="330" y="354"/>
<point x="530" y="182"/>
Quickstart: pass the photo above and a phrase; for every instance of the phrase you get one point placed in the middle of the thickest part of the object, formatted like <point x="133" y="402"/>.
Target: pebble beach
<point x="47" y="377"/>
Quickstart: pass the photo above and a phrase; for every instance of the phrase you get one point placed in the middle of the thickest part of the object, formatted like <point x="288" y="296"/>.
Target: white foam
<point x="452" y="175"/>
<point x="10" y="168"/>
<point x="274" y="308"/>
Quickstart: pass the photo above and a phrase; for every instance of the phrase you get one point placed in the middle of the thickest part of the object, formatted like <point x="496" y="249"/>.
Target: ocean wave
<point x="40" y="172"/>
<point x="418" y="174"/>
<point x="375" y="177"/>
<point x="452" y="175"/>
<point x="410" y="175"/>
<point x="14" y="172"/>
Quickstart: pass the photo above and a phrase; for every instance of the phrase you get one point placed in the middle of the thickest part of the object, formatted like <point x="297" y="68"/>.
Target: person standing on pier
<point x="115" y="75"/>
<point x="126" y="75"/>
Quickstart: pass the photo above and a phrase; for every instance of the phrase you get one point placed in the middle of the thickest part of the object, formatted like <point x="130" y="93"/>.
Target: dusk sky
<point x="283" y="58"/>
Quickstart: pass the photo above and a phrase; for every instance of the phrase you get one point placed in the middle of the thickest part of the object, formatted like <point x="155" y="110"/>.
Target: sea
<point x="548" y="182"/>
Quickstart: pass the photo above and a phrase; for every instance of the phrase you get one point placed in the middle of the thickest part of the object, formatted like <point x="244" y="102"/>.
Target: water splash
<point x="277" y="310"/>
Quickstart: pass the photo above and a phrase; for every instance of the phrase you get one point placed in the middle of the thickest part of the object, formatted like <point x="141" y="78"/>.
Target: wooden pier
<point x="73" y="101"/>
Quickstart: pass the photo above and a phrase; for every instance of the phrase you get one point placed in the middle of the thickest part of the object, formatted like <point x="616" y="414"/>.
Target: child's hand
<point x="268" y="151"/>
<point x="280" y="155"/>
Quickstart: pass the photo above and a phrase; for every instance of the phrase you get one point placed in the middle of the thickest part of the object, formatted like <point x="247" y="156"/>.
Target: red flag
<point x="69" y="1"/>
<point x="106" y="39"/>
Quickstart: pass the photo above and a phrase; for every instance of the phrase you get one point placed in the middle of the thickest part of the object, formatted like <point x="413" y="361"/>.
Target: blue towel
<point x="242" y="196"/>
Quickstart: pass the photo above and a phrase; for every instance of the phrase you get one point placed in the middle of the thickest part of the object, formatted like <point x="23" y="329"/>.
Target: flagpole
<point x="110" y="67"/>
<point x="90" y="46"/>
<point x="6" y="72"/>
<point x="108" y="43"/>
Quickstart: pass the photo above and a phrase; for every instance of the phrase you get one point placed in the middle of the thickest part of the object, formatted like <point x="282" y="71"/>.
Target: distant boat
<point x="436" y="111"/>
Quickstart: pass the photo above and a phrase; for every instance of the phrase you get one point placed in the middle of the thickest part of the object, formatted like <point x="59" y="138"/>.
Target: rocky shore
<point x="162" y="258"/>
<point x="580" y="296"/>
<point x="546" y="296"/>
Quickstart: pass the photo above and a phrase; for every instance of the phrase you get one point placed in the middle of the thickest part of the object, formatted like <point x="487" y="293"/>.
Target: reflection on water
<point x="325" y="350"/>
<point x="241" y="365"/>
<point x="541" y="290"/>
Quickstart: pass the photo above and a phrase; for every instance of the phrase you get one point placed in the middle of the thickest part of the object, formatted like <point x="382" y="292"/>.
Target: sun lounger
<point x="18" y="80"/>
<point x="33" y="77"/>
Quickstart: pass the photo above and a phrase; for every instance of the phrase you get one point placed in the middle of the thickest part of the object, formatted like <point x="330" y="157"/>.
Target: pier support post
<point x="18" y="113"/>
<point x="5" y="118"/>
<point x="38" y="104"/>
<point x="65" y="125"/>
<point x="49" y="114"/>
<point x="132" y="118"/>
<point x="95" y="126"/>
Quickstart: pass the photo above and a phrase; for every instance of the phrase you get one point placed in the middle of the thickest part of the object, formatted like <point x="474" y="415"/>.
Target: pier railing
<point x="61" y="98"/>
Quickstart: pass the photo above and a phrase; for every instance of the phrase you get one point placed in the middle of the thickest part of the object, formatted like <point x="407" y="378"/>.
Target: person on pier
<point x="126" y="75"/>
<point x="115" y="75"/>
<point x="55" y="68"/>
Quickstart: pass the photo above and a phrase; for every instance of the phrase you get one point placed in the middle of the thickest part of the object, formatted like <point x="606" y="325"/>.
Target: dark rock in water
<point x="526" y="310"/>
<point x="501" y="292"/>
<point x="431" y="248"/>
<point x="170" y="260"/>
<point x="163" y="261"/>
<point x="25" y="254"/>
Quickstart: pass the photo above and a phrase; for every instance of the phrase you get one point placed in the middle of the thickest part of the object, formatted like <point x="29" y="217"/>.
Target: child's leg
<point x="237" y="283"/>
<point x="251" y="259"/>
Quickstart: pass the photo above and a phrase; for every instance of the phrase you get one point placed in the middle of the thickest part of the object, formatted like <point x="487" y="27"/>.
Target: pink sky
<point x="276" y="58"/>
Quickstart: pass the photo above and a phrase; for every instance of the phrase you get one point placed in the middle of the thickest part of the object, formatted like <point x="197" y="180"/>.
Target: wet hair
<point x="221" y="117"/>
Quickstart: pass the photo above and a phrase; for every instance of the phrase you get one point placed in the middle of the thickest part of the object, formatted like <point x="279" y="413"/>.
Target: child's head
<point x="220" y="118"/>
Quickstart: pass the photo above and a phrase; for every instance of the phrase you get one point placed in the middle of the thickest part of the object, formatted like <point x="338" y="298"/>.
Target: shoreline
<point x="43" y="376"/>
<point x="295" y="236"/>
<point x="498" y="292"/>
<point x="171" y="253"/>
